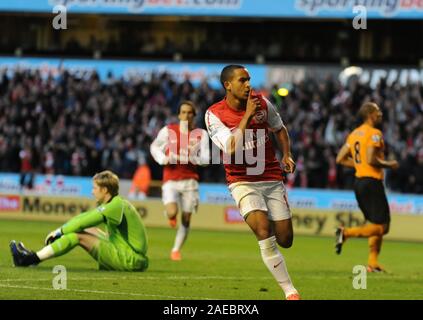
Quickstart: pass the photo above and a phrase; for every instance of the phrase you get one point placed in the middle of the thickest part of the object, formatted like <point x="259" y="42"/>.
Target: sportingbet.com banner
<point x="401" y="9"/>
<point x="196" y="72"/>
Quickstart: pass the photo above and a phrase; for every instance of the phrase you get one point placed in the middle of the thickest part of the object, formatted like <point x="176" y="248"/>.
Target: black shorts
<point x="371" y="198"/>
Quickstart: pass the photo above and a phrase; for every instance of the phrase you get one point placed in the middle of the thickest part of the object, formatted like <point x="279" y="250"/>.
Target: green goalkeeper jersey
<point x="124" y="224"/>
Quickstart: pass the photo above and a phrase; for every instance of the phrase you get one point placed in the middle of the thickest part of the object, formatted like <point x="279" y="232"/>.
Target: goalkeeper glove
<point x="53" y="236"/>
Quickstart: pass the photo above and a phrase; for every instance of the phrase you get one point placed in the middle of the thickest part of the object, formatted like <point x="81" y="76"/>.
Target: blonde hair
<point x="107" y="179"/>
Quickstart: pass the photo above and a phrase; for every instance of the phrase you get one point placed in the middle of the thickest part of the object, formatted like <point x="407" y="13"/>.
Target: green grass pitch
<point x="215" y="265"/>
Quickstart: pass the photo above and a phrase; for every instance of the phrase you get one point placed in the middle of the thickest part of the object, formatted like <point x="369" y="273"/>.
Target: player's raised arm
<point x="237" y="139"/>
<point x="229" y="140"/>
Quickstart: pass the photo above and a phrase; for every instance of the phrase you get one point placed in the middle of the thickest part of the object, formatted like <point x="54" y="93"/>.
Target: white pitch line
<point x="106" y="292"/>
<point x="385" y="294"/>
<point x="147" y="278"/>
<point x="347" y="276"/>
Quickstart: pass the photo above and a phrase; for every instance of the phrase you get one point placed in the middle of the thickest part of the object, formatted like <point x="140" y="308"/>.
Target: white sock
<point x="275" y="262"/>
<point x="180" y="238"/>
<point x="45" y="253"/>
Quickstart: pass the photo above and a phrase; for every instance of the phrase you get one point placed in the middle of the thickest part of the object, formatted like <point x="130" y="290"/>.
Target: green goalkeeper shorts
<point x="115" y="256"/>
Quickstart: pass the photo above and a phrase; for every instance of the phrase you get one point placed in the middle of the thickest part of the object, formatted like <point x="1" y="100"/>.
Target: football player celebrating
<point x="259" y="194"/>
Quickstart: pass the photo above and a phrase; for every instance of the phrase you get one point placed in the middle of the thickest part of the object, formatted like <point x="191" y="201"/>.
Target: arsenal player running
<point x="179" y="148"/>
<point x="261" y="196"/>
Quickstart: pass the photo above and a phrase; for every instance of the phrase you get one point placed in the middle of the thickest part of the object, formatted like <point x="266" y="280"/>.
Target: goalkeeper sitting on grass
<point x="123" y="247"/>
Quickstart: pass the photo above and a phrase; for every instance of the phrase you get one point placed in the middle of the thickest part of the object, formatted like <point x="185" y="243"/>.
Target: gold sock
<point x="375" y="244"/>
<point x="364" y="231"/>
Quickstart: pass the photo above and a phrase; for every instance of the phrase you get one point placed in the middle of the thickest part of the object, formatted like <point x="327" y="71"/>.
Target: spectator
<point x="141" y="179"/>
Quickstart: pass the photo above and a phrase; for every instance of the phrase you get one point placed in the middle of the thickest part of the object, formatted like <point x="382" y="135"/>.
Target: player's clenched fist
<point x="53" y="236"/>
<point x="288" y="164"/>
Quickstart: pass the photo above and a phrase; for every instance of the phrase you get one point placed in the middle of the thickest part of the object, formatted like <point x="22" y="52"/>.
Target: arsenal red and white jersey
<point x="172" y="141"/>
<point x="221" y="120"/>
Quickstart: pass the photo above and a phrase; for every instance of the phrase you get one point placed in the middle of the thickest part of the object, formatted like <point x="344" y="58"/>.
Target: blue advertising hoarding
<point x="319" y="199"/>
<point x="211" y="193"/>
<point x="398" y="9"/>
<point x="196" y="72"/>
<point x="48" y="185"/>
<point x="264" y="76"/>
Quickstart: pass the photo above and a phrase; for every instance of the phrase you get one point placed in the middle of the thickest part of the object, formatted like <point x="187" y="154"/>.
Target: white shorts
<point x="182" y="192"/>
<point x="269" y="196"/>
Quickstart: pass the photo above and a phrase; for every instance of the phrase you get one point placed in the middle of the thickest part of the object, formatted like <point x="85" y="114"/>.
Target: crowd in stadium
<point x="73" y="126"/>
